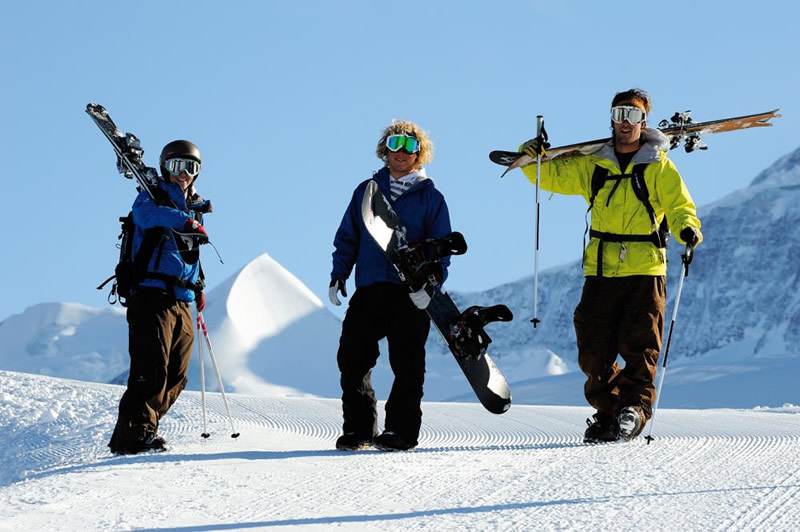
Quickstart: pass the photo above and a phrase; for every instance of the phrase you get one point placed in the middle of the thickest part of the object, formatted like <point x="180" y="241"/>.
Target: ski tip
<point x="772" y="114"/>
<point x="95" y="108"/>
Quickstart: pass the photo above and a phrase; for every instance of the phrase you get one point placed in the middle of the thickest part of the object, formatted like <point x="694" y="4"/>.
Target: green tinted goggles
<point x="402" y="142"/>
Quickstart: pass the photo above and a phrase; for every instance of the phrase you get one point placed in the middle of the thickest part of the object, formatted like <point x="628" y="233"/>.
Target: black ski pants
<point x="383" y="310"/>
<point x="160" y="339"/>
<point x="621" y="316"/>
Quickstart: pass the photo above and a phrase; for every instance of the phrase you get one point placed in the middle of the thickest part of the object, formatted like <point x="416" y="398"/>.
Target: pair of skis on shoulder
<point x="680" y="128"/>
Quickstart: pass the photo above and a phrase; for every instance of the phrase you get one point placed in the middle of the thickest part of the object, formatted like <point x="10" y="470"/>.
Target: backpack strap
<point x="660" y="229"/>
<point x="599" y="177"/>
<point x="640" y="189"/>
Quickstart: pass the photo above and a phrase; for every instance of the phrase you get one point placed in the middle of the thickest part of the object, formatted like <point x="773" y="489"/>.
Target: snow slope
<point x="524" y="470"/>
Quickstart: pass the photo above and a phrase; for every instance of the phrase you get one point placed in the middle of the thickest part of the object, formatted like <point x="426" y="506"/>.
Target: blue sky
<point x="286" y="100"/>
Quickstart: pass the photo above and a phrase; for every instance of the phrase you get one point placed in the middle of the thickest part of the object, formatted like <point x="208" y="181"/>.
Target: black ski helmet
<point x="182" y="149"/>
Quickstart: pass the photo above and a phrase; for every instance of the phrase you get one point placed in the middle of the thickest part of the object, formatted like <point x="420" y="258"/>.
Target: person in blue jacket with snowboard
<point x="382" y="306"/>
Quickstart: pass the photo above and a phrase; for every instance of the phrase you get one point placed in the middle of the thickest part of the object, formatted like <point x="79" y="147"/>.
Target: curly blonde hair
<point x="404" y="127"/>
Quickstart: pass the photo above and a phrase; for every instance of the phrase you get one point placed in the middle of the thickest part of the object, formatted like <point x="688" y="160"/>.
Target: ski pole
<point x="202" y="323"/>
<point x="539" y="136"/>
<point x="686" y="259"/>
<point x="205" y="433"/>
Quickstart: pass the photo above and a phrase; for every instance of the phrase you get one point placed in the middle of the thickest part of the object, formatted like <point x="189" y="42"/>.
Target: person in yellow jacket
<point x="634" y="192"/>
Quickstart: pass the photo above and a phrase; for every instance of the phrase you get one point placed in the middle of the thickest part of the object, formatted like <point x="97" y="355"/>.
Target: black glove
<point x="535" y="146"/>
<point x="690" y="236"/>
<point x="337" y="285"/>
<point x="200" y="301"/>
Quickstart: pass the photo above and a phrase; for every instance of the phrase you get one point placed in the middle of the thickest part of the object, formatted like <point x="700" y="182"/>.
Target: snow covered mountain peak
<point x="263" y="316"/>
<point x="66" y="340"/>
<point x="783" y="172"/>
<point x="263" y="298"/>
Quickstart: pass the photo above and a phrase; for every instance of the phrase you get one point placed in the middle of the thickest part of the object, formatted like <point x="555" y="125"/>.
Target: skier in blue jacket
<point x="167" y="278"/>
<point x="382" y="306"/>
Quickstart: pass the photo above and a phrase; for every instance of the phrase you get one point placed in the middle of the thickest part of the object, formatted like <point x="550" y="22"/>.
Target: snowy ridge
<point x="525" y="469"/>
<point x="261" y="317"/>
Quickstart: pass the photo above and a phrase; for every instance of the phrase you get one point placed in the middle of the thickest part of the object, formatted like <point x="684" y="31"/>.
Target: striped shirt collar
<point x="400" y="185"/>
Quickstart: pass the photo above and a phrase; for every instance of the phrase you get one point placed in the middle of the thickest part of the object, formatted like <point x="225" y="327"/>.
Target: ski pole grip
<point x="687" y="257"/>
<point x="539" y="126"/>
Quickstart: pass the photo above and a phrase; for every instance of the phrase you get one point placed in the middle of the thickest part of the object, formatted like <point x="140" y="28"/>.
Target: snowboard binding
<point x="468" y="336"/>
<point x="419" y="262"/>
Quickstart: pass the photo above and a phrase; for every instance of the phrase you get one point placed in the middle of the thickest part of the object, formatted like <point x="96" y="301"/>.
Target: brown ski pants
<point x="160" y="339"/>
<point x="622" y="316"/>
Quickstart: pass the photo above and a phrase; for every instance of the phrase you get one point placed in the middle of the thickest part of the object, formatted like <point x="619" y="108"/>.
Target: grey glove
<point x="337" y="285"/>
<point x="420" y="298"/>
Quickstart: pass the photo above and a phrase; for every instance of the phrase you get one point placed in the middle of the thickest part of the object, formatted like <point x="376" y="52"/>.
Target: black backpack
<point x="125" y="276"/>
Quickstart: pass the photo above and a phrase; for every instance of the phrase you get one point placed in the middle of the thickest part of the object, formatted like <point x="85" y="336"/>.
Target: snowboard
<point x="680" y="128"/>
<point x="417" y="266"/>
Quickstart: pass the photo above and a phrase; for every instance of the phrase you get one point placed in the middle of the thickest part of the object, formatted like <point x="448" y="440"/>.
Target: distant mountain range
<point x="273" y="336"/>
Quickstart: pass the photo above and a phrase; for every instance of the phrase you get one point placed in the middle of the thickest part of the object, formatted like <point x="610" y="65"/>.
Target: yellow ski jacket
<point x="618" y="211"/>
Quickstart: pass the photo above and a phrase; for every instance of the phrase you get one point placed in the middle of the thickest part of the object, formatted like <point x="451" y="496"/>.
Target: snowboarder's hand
<point x="535" y="147"/>
<point x="337" y="285"/>
<point x="193" y="227"/>
<point x="200" y="301"/>
<point x="420" y="298"/>
<point x="691" y="236"/>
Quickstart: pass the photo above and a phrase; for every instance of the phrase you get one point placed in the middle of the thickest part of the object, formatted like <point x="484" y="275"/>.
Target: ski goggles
<point x="402" y="142"/>
<point x="632" y="114"/>
<point x="177" y="166"/>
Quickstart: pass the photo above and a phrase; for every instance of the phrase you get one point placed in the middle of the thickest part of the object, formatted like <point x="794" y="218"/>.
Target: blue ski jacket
<point x="424" y="213"/>
<point x="166" y="258"/>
